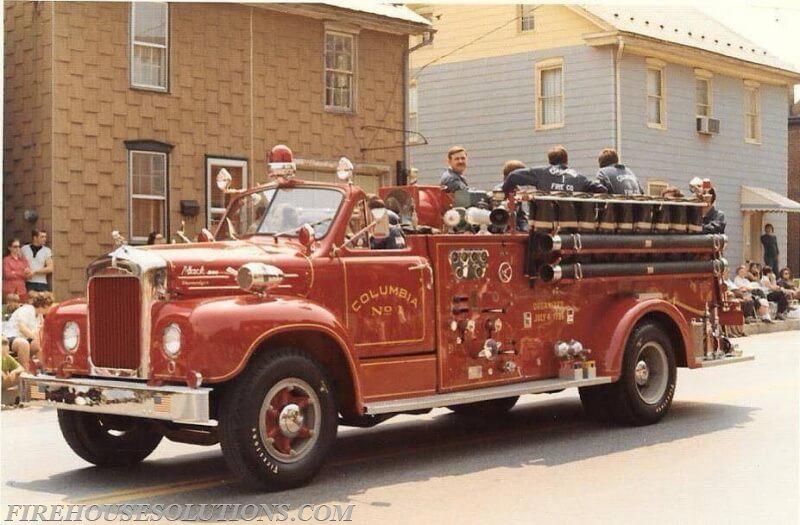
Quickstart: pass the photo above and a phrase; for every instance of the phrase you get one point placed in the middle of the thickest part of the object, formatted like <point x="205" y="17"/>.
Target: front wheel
<point x="278" y="421"/>
<point x="108" y="440"/>
<point x="644" y="392"/>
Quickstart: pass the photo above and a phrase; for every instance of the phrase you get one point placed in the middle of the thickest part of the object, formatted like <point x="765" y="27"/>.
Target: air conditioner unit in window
<point x="707" y="125"/>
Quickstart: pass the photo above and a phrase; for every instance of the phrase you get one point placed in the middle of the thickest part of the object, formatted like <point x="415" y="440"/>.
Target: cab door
<point x="388" y="296"/>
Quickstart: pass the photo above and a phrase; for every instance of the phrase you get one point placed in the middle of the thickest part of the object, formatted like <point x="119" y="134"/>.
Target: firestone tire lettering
<point x="241" y="438"/>
<point x="626" y="402"/>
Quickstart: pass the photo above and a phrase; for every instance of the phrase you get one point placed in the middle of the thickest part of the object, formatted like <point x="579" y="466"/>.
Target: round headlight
<point x="71" y="336"/>
<point x="172" y="340"/>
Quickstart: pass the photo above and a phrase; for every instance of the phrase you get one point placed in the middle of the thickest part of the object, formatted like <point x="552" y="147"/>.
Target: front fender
<point x="220" y="335"/>
<point x="630" y="311"/>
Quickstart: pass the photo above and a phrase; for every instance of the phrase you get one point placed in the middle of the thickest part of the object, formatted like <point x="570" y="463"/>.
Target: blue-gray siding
<point x="487" y="105"/>
<point x="677" y="154"/>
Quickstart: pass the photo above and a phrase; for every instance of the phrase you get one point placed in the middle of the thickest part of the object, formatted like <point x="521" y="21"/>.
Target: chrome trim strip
<point x="483" y="394"/>
<point x="179" y="404"/>
<point x="706" y="363"/>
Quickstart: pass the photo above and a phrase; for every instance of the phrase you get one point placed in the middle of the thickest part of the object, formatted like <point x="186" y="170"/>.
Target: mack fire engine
<point x="287" y="322"/>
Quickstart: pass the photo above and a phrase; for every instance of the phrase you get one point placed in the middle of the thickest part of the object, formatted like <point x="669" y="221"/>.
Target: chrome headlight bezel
<point x="256" y="277"/>
<point x="71" y="336"/>
<point x="171" y="340"/>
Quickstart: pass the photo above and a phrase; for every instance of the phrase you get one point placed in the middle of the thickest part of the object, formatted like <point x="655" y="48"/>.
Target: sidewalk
<point x="775" y="326"/>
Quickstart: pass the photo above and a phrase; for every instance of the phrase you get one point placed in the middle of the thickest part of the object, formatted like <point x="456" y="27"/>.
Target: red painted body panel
<point x="407" y="322"/>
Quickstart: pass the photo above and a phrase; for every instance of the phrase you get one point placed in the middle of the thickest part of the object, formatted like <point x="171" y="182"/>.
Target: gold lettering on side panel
<point x="382" y="293"/>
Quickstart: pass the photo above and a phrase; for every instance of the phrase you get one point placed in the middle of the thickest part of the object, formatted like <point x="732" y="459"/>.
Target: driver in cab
<point x="395" y="240"/>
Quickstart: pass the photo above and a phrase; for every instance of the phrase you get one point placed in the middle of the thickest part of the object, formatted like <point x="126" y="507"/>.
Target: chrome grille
<point x="115" y="311"/>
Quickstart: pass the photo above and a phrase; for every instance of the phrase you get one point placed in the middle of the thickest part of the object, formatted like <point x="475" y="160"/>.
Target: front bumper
<point x="179" y="404"/>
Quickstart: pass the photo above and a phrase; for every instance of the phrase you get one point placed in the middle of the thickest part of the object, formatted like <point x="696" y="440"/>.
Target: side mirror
<point x="306" y="236"/>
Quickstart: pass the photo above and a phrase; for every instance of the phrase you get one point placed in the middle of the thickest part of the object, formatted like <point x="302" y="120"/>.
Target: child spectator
<point x="11" y="372"/>
<point x="16" y="270"/>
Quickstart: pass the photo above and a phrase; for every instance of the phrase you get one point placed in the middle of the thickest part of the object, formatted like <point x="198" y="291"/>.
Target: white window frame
<point x="413" y="112"/>
<point x="656" y="65"/>
<point x="142" y="196"/>
<point x="134" y="43"/>
<point x="527" y="22"/>
<point x="701" y="75"/>
<point x="352" y="35"/>
<point x="225" y="163"/>
<point x="755" y="88"/>
<point x="542" y="66"/>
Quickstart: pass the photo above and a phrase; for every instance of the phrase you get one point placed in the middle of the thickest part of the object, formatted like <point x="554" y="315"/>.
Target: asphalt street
<point x="727" y="452"/>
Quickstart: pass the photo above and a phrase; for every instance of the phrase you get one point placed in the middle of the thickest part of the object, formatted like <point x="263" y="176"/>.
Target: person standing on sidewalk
<point x="16" y="270"/>
<point x="40" y="259"/>
<point x="770" y="244"/>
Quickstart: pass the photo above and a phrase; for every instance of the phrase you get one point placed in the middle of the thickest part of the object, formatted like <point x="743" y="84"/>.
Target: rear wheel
<point x="279" y="421"/>
<point x="107" y="440"/>
<point x="644" y="392"/>
<point x="492" y="407"/>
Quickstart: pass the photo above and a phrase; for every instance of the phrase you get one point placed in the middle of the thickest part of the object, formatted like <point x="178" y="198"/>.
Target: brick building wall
<point x="230" y="94"/>
<point x="793" y="235"/>
<point x="27" y="120"/>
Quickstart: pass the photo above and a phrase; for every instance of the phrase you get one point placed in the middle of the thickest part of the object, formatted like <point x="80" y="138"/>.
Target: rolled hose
<point x="554" y="273"/>
<point x="588" y="243"/>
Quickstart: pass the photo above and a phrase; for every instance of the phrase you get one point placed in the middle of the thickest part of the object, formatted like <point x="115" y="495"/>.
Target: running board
<point x="705" y="363"/>
<point x="484" y="394"/>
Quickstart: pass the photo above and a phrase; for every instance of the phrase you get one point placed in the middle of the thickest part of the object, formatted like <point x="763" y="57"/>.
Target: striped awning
<point x="762" y="199"/>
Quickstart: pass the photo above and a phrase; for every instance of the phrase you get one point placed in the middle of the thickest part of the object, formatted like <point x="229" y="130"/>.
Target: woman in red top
<point x="15" y="270"/>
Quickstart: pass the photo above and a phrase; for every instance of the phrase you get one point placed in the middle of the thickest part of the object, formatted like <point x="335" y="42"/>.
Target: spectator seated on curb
<point x="786" y="282"/>
<point x="23" y="328"/>
<point x="11" y="372"/>
<point x="10" y="303"/>
<point x="774" y="293"/>
<point x="747" y="289"/>
<point x="754" y="272"/>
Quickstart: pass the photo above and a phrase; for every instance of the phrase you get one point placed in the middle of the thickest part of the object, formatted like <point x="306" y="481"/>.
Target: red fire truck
<point x="288" y="322"/>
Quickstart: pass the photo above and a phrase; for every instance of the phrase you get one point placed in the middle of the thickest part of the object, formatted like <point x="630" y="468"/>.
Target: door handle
<point x="424" y="265"/>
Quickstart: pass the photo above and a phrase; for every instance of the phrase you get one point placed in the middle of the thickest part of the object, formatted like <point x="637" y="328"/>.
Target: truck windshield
<point x="281" y="211"/>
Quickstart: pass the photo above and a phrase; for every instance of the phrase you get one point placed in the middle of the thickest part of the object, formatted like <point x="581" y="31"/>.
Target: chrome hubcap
<point x="290" y="420"/>
<point x="642" y="373"/>
<point x="651" y="373"/>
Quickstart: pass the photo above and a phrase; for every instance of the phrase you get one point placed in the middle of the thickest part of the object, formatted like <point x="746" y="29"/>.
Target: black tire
<point x="484" y="409"/>
<point x="644" y="392"/>
<point x="278" y="421"/>
<point x="108" y="440"/>
<point x="595" y="402"/>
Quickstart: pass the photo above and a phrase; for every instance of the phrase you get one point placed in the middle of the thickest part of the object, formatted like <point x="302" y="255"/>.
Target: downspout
<point x="618" y="96"/>
<point x="427" y="39"/>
